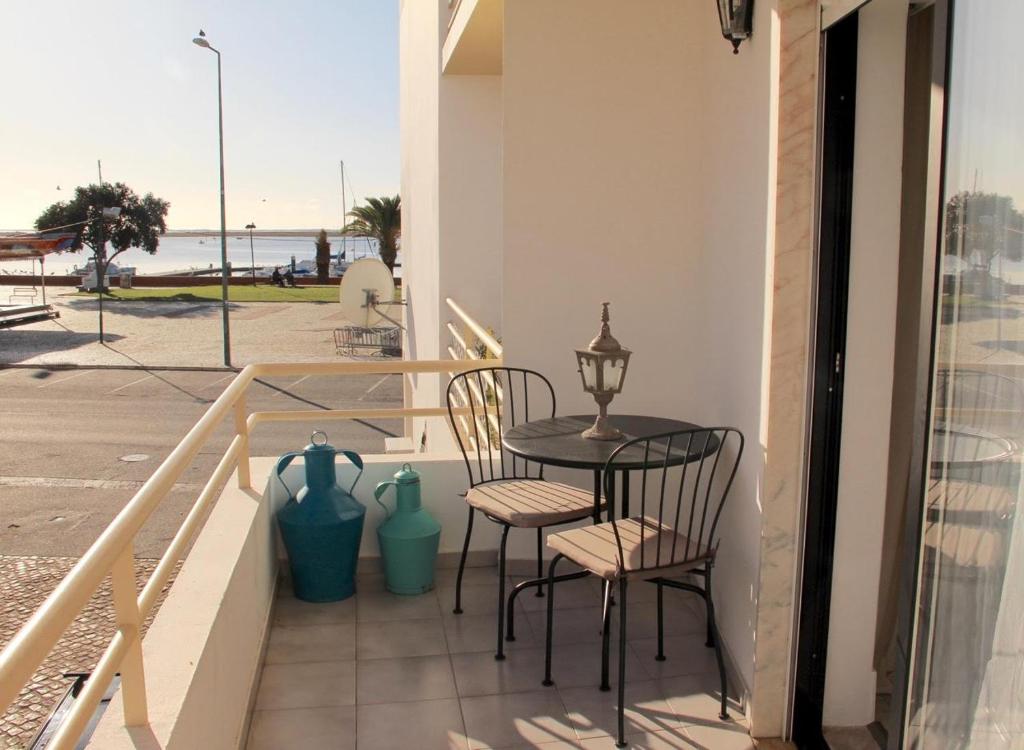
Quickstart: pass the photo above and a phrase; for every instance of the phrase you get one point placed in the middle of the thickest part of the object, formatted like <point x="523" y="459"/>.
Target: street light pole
<point x="252" y="253"/>
<point x="202" y="42"/>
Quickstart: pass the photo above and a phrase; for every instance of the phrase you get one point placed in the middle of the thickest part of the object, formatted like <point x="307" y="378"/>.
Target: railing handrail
<point x="485" y="336"/>
<point x="112" y="552"/>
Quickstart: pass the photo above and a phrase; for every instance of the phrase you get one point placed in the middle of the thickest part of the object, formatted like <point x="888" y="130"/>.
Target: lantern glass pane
<point x="588" y="368"/>
<point x="612" y="370"/>
<point x="725" y="15"/>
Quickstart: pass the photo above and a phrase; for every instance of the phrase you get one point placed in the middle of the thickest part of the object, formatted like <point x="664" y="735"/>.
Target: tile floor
<point x="380" y="671"/>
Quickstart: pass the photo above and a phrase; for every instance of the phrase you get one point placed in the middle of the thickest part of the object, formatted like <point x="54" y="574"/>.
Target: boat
<point x="112" y="269"/>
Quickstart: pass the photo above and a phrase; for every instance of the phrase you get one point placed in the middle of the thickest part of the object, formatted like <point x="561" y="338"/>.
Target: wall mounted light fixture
<point x="737" y="18"/>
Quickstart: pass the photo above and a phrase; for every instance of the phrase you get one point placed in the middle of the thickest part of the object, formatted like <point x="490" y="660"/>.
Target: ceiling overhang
<point x="473" y="45"/>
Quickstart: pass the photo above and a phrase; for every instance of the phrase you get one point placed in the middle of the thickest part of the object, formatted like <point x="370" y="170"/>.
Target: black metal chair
<point x="682" y="493"/>
<point x="508" y="490"/>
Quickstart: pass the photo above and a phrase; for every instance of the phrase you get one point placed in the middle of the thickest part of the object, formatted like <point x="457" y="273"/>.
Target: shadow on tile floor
<point x="381" y="671"/>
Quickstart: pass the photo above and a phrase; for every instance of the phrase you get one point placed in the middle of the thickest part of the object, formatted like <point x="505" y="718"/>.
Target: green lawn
<point x="211" y="293"/>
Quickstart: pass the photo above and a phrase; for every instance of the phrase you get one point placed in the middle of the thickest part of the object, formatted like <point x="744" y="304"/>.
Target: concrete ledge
<point x="205" y="647"/>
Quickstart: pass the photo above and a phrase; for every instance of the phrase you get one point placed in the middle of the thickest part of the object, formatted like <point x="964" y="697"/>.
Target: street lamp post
<point x="202" y="42"/>
<point x="252" y="253"/>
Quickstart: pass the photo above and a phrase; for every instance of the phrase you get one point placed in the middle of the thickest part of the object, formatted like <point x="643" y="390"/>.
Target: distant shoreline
<point x="230" y="232"/>
<point x="256" y="233"/>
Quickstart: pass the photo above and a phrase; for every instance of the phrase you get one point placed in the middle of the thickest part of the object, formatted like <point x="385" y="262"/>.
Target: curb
<point x="145" y="368"/>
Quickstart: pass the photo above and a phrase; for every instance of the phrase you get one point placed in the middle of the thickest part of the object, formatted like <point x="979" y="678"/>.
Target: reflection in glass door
<point x="966" y="684"/>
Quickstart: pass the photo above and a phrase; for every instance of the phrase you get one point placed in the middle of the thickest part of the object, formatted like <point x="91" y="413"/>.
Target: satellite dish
<point x="367" y="293"/>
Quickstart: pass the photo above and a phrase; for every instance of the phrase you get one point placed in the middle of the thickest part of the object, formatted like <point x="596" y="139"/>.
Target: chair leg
<point x="710" y="640"/>
<point x="551" y="621"/>
<point x="462" y="563"/>
<point x="510" y="618"/>
<point x="622" y="664"/>
<point x="661" y="623"/>
<point x="713" y="629"/>
<point x="540" y="559"/>
<point x="500" y="654"/>
<point x="606" y="634"/>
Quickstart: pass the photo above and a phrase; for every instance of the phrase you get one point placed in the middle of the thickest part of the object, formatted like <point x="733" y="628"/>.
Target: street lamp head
<point x="201" y="42"/>
<point x="250" y="226"/>
<point x="111" y="213"/>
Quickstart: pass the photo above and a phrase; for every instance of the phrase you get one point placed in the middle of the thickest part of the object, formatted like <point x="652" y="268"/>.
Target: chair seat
<point x="594" y="548"/>
<point x="531" y="503"/>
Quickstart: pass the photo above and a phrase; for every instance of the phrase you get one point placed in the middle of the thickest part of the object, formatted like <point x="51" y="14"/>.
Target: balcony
<point x="473" y="42"/>
<point x="233" y="659"/>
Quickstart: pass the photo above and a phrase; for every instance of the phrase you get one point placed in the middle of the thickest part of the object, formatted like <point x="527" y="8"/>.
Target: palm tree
<point x="381" y="219"/>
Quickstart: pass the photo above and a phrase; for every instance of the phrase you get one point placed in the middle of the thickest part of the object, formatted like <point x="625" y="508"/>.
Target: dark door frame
<point x="839" y="88"/>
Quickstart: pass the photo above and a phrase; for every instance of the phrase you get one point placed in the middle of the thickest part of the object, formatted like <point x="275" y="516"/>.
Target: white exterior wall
<point x="738" y="181"/>
<point x="420" y="30"/>
<point x="470" y="179"/>
<point x="451" y="189"/>
<point x="601" y="147"/>
<point x="850" y="680"/>
<point x="639" y="169"/>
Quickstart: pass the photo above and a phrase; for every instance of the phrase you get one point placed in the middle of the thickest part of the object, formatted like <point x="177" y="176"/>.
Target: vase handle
<point x="357" y="460"/>
<point x="377" y="493"/>
<point x="282" y="464"/>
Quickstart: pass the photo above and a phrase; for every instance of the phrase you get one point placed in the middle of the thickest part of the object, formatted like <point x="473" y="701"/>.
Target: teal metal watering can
<point x="322" y="525"/>
<point x="408" y="537"/>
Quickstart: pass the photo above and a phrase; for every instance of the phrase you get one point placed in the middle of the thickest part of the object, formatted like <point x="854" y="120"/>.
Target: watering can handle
<point x="381" y="489"/>
<point x="282" y="464"/>
<point x="356" y="459"/>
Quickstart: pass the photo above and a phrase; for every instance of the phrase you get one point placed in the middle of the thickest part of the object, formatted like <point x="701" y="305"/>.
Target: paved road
<point x="161" y="334"/>
<point x="66" y="438"/>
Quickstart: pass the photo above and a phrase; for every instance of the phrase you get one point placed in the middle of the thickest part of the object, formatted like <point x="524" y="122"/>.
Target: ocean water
<point x="180" y="253"/>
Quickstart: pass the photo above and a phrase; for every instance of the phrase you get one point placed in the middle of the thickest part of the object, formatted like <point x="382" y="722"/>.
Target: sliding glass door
<point x="966" y="676"/>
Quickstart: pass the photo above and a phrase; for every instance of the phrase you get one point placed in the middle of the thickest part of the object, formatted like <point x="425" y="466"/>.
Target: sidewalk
<point x="160" y="334"/>
<point x="26" y="582"/>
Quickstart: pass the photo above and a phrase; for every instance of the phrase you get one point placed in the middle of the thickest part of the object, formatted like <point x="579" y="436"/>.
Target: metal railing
<point x="459" y="349"/>
<point x="113" y="552"/>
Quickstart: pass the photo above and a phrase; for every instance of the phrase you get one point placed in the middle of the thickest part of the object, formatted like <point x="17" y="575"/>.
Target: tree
<point x="141" y="222"/>
<point x="323" y="257"/>
<point x="982" y="226"/>
<point x="381" y="219"/>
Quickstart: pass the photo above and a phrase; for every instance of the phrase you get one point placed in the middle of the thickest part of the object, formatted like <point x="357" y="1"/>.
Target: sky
<point x="307" y="83"/>
<point x="985" y="147"/>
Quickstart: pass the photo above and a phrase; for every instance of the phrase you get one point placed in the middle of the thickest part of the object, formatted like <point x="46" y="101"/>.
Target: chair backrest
<point x="482" y="405"/>
<point x="683" y="482"/>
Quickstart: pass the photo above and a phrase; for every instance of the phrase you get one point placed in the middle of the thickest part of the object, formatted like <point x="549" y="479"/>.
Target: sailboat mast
<point x="344" y="212"/>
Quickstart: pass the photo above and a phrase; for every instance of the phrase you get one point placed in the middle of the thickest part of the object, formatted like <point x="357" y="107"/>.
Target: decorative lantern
<point x="736" y="17"/>
<point x="602" y="365"/>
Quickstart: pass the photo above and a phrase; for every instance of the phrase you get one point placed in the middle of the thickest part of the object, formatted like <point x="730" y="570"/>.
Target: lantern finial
<point x="604" y="341"/>
<point x="602" y="366"/>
